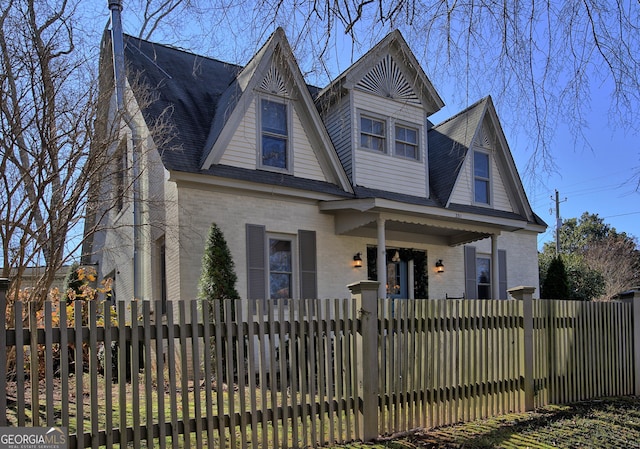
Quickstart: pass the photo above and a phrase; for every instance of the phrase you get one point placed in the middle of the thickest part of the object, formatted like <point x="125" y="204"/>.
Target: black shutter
<point x="308" y="265"/>
<point x="471" y="286"/>
<point x="256" y="272"/>
<point x="502" y="273"/>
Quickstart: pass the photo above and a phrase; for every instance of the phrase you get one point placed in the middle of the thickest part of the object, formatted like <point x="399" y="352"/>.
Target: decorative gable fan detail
<point x="386" y="79"/>
<point x="486" y="138"/>
<point x="274" y="83"/>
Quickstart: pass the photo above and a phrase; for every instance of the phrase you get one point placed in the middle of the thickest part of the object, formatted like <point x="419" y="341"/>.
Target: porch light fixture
<point x="357" y="260"/>
<point x="396" y="257"/>
<point x="439" y="266"/>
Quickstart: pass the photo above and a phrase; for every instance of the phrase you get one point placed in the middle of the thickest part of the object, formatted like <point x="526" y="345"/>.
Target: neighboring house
<point x="304" y="181"/>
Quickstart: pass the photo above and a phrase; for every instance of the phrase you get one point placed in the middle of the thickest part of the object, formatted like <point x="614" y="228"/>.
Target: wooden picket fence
<point x="304" y="373"/>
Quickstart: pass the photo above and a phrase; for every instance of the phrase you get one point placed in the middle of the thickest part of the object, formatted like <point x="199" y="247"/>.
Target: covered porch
<point x="385" y="220"/>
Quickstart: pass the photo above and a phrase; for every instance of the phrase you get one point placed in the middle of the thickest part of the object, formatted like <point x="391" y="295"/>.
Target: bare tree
<point x="53" y="144"/>
<point x="617" y="258"/>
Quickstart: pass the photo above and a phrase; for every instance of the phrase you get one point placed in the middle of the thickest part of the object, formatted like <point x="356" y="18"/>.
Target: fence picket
<point x="286" y="376"/>
<point x="195" y="366"/>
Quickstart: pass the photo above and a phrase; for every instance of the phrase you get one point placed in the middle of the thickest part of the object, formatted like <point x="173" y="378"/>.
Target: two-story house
<point x="313" y="188"/>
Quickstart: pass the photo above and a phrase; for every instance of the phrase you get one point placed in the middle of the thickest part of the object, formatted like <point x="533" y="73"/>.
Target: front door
<point x="397" y="279"/>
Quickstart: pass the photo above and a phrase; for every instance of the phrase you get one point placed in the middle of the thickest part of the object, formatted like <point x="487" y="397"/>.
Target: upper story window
<point x="481" y="174"/>
<point x="406" y="142"/>
<point x="274" y="134"/>
<point x="372" y="134"/>
<point x="403" y="138"/>
<point x="120" y="172"/>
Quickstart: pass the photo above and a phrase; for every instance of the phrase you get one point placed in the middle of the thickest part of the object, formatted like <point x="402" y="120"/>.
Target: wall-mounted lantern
<point x="357" y="260"/>
<point x="439" y="266"/>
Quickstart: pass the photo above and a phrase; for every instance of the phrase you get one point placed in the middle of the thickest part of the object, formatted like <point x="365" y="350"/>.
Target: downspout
<point x="117" y="42"/>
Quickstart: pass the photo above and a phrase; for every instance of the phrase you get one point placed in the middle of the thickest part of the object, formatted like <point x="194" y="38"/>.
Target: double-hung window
<point x="280" y="268"/>
<point x="483" y="272"/>
<point x="372" y="134"/>
<point x="274" y="134"/>
<point x="406" y="142"/>
<point x="481" y="185"/>
<point x="120" y="172"/>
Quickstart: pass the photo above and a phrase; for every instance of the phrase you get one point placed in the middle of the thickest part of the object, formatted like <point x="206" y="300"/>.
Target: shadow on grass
<point x="595" y="424"/>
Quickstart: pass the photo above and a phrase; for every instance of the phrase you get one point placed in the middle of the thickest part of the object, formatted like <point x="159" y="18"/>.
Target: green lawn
<point x="607" y="423"/>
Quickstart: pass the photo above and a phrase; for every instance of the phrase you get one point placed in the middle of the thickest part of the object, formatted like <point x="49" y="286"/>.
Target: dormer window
<point x="406" y="142"/>
<point x="372" y="134"/>
<point x="481" y="173"/>
<point x="274" y="134"/>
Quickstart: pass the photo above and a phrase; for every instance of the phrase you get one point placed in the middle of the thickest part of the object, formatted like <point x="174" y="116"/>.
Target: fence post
<point x="365" y="293"/>
<point x="525" y="294"/>
<point x="4" y="286"/>
<point x="635" y="322"/>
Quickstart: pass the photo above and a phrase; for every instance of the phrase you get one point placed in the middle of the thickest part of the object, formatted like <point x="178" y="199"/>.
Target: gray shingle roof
<point x="189" y="85"/>
<point x="449" y="143"/>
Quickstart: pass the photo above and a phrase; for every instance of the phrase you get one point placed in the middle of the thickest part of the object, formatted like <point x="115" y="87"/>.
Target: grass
<point x="607" y="423"/>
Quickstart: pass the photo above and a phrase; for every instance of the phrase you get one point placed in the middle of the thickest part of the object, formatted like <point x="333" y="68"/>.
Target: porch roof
<point x="423" y="222"/>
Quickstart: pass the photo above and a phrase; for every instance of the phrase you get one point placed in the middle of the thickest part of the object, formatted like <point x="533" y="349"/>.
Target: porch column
<point x="495" y="271"/>
<point x="382" y="260"/>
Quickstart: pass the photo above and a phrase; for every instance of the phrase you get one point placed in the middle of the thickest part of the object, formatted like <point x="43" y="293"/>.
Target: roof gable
<point x="390" y="69"/>
<point x="450" y="143"/>
<point x="272" y="70"/>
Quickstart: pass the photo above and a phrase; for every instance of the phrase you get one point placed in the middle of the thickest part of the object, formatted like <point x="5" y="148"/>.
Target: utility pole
<point x="558" y="222"/>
